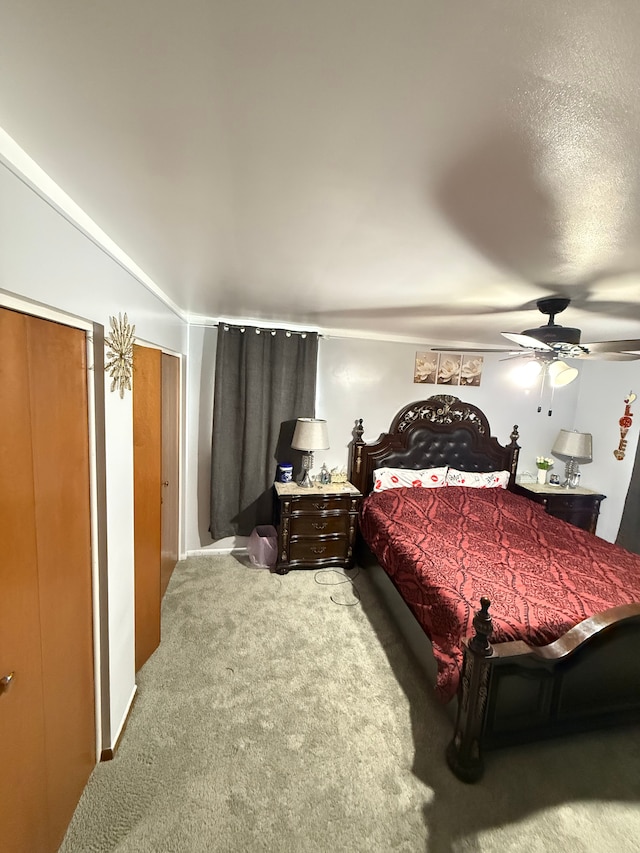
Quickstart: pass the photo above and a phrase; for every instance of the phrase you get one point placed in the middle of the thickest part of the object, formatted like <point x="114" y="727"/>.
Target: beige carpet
<point x="273" y="719"/>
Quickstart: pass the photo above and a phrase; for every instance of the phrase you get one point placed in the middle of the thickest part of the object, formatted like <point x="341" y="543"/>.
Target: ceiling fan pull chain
<point x="544" y="372"/>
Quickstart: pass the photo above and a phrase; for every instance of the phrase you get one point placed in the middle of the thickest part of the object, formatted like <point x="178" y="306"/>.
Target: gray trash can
<point x="263" y="546"/>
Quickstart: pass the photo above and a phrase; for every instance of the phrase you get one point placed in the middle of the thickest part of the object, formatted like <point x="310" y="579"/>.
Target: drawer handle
<point x="319" y="505"/>
<point x="319" y="525"/>
<point x="319" y="550"/>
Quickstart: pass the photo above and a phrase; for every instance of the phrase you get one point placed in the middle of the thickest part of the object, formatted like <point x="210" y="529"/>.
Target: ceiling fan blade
<point x="526" y="341"/>
<point x="608" y="356"/>
<point x="613" y="346"/>
<point x="470" y="349"/>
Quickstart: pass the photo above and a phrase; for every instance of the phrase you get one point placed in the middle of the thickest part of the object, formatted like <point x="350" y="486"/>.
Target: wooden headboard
<point x="442" y="430"/>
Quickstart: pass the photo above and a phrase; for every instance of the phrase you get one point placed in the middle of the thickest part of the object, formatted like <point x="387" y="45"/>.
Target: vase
<point x="542" y="476"/>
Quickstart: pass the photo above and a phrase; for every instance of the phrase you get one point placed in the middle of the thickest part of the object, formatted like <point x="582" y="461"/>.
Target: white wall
<point x="603" y="388"/>
<point x="200" y="379"/>
<point x="44" y="258"/>
<point x="373" y="380"/>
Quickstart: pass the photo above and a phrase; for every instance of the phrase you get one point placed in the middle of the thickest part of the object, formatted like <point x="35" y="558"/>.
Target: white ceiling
<point x="424" y="169"/>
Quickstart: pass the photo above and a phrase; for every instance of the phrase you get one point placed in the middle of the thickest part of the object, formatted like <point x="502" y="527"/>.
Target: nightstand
<point x="578" y="506"/>
<point x="316" y="526"/>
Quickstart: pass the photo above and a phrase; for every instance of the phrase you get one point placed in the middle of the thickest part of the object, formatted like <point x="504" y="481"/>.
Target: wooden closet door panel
<point x="23" y="800"/>
<point x="170" y="465"/>
<point x="147" y="478"/>
<point x="59" y="417"/>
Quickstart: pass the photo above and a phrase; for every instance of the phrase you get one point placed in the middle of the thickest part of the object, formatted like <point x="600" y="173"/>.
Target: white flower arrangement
<point x="544" y="463"/>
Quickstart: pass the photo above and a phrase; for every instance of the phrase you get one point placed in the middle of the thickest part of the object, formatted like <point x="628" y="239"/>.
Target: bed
<point x="534" y="623"/>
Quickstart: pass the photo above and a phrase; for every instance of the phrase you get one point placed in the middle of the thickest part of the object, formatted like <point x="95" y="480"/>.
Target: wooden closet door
<point x="47" y="727"/>
<point x="147" y="478"/>
<point x="23" y="794"/>
<point x="170" y="466"/>
<point x="59" y="424"/>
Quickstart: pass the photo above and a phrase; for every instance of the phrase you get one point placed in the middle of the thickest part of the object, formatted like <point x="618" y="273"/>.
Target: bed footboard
<point x="513" y="693"/>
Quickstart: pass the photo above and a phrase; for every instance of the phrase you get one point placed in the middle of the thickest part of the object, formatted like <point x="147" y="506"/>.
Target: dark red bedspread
<point x="445" y="548"/>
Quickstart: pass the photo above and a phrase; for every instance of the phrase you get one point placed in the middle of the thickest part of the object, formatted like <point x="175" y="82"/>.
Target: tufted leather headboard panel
<point x="442" y="430"/>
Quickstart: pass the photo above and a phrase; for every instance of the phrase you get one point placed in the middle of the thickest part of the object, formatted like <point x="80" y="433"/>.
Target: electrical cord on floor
<point x="344" y="579"/>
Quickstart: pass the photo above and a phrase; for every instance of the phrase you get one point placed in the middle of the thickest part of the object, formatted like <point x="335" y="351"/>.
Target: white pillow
<point x="478" y="479"/>
<point x="396" y="478"/>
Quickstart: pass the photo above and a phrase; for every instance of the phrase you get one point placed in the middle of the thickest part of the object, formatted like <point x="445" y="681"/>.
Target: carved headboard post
<point x="356" y="469"/>
<point x="464" y="754"/>
<point x="515" y="453"/>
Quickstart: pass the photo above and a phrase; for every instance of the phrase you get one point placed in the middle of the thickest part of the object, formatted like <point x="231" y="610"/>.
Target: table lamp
<point x="310" y="434"/>
<point x="572" y="447"/>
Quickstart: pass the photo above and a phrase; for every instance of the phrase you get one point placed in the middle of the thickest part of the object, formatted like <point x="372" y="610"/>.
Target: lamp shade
<point x="561" y="374"/>
<point x="573" y="445"/>
<point x="310" y="434"/>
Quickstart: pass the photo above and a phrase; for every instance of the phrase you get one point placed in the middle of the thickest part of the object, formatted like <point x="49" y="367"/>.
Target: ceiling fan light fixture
<point x="526" y="375"/>
<point x="560" y="374"/>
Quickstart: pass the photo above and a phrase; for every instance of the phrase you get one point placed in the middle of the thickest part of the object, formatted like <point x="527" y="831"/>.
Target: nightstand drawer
<point x="319" y="525"/>
<point x="566" y="502"/>
<point x="319" y="503"/>
<point x="308" y="550"/>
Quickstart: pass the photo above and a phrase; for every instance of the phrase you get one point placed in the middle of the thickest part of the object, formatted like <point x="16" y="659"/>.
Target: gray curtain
<point x="629" y="532"/>
<point x="263" y="383"/>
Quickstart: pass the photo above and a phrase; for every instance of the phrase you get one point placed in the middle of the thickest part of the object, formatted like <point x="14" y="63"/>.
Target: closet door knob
<point x="165" y="482"/>
<point x="5" y="681"/>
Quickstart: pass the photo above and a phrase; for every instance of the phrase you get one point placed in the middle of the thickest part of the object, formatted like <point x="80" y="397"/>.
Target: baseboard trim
<point x="218" y="552"/>
<point x="110" y="752"/>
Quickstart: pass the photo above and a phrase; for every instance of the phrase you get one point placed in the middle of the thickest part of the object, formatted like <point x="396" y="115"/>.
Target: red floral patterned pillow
<point x="477" y="479"/>
<point x="397" y="478"/>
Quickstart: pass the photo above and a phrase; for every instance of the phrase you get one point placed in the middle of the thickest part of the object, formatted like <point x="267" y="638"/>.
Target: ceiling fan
<point x="546" y="347"/>
<point x="552" y="341"/>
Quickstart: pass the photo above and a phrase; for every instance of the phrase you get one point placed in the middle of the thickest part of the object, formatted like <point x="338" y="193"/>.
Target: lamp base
<point x="571" y="474"/>
<point x="307" y="464"/>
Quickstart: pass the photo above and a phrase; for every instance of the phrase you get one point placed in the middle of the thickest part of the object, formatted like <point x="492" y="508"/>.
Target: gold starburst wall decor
<point x="120" y="353"/>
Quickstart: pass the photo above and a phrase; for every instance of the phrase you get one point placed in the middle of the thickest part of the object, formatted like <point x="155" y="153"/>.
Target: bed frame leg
<point x="464" y="755"/>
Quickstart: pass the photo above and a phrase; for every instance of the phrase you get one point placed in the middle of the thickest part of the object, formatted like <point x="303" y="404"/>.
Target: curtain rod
<point x="268" y="330"/>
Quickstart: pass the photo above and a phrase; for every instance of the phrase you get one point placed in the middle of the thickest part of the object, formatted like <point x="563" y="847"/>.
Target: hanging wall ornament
<point x="625" y="424"/>
<point x="119" y="362"/>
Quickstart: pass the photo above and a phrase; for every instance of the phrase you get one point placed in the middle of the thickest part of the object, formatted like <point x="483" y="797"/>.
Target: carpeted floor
<point x="273" y="718"/>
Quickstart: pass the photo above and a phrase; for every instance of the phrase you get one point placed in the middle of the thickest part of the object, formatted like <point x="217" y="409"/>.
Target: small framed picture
<point x="449" y="368"/>
<point x="426" y="368"/>
<point x="471" y="369"/>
